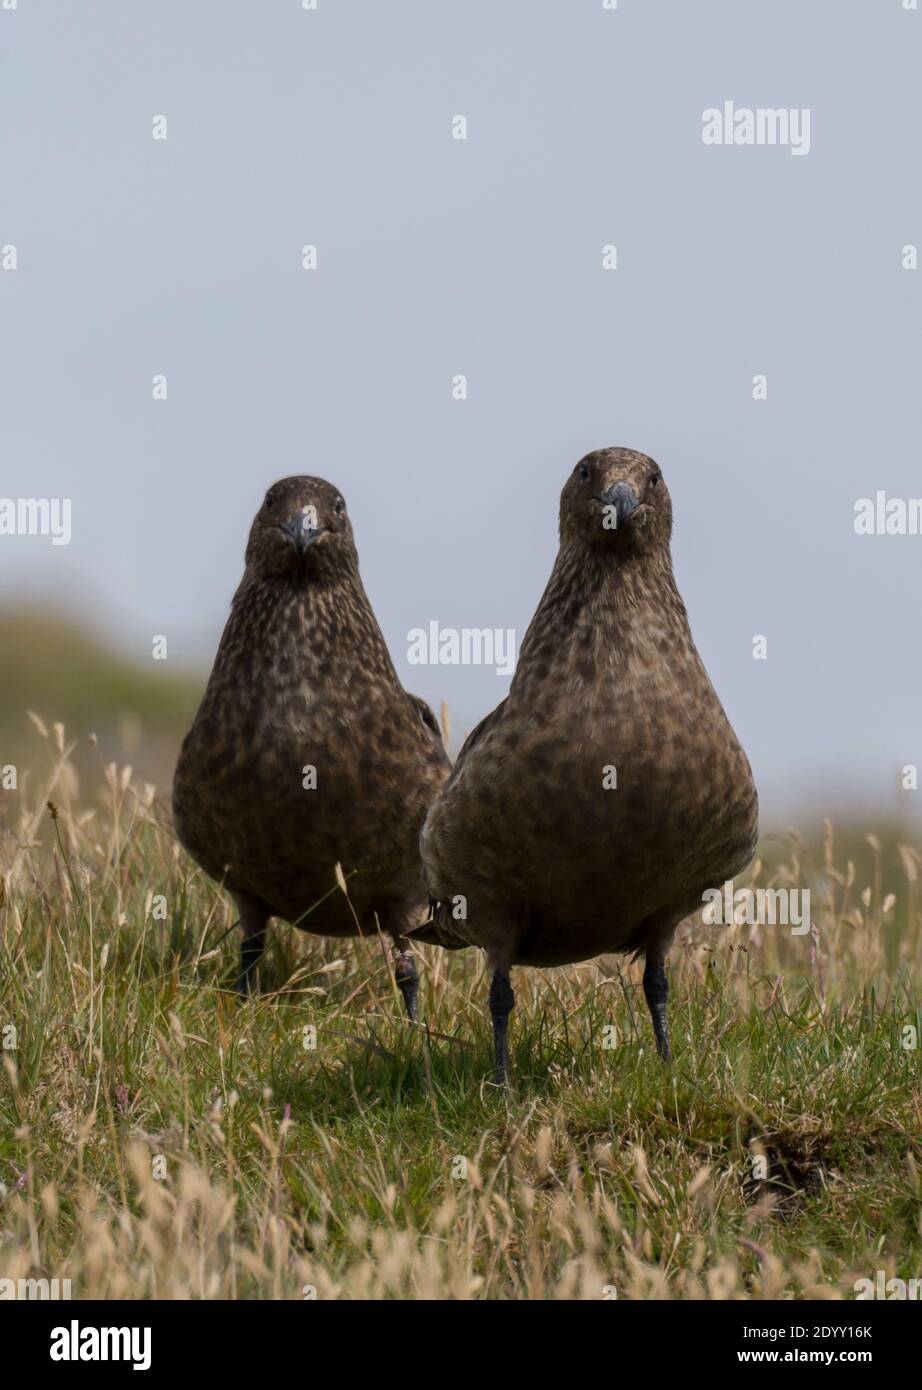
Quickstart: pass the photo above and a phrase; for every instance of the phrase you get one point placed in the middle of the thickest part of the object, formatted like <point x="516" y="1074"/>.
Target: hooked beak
<point x="622" y="498"/>
<point x="299" y="533"/>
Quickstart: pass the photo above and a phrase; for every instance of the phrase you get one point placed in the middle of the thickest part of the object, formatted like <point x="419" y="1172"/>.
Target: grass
<point x="157" y="1139"/>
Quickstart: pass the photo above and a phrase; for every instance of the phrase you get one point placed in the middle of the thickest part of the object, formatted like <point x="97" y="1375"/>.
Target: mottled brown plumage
<point x="556" y="863"/>
<point x="303" y="680"/>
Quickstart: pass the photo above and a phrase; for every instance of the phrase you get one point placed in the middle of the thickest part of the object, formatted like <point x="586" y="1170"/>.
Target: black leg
<point x="502" y="1002"/>
<point x="253" y="922"/>
<point x="656" y="989"/>
<point x="407" y="977"/>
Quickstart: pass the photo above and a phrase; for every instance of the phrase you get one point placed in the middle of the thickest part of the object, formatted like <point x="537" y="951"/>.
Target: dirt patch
<point x="789" y="1166"/>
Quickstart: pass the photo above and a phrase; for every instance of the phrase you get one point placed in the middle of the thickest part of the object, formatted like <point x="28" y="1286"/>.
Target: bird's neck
<point x="306" y="628"/>
<point x="620" y="598"/>
<point x="609" y="585"/>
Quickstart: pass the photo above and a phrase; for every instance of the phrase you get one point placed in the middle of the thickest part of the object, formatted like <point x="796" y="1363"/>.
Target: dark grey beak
<point x="302" y="536"/>
<point x="624" y="500"/>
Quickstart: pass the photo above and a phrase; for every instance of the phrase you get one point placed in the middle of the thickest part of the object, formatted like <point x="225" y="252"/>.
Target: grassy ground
<point x="158" y="1139"/>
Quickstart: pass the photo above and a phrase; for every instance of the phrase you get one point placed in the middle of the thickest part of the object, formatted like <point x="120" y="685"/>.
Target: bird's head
<point x="301" y="530"/>
<point x="616" y="498"/>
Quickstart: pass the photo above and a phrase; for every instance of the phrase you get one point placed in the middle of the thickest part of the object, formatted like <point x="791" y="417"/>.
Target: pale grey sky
<point x="480" y="257"/>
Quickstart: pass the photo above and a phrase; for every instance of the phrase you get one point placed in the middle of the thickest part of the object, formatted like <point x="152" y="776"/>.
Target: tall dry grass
<point x="159" y="1140"/>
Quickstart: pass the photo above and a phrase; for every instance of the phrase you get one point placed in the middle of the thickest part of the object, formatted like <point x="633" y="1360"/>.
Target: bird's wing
<point x="477" y="733"/>
<point x="425" y="714"/>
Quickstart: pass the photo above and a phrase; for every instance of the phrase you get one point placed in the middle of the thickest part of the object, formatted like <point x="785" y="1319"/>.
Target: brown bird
<point x="591" y="809"/>
<point x="306" y="752"/>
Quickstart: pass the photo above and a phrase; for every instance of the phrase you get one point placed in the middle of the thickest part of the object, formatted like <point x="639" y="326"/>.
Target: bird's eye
<point x="339" y="506"/>
<point x="584" y="472"/>
<point x="655" y="478"/>
<point x="270" y="500"/>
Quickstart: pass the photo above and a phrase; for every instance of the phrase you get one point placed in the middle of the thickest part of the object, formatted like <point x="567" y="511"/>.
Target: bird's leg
<point x="502" y="1002"/>
<point x="253" y="919"/>
<point x="407" y="977"/>
<point x="656" y="990"/>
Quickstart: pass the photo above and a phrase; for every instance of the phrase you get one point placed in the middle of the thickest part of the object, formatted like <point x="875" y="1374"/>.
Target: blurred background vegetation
<point x="64" y="673"/>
